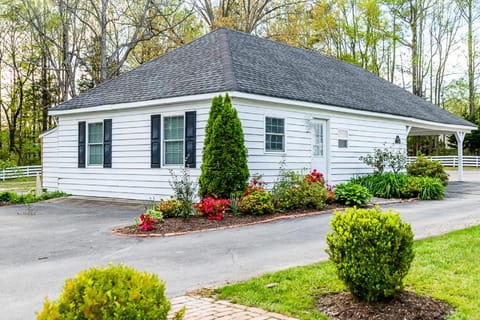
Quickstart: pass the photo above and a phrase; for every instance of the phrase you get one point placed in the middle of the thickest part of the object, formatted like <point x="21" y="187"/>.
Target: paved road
<point x="45" y="243"/>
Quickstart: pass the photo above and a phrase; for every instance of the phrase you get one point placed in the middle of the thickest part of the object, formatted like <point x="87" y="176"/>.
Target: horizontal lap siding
<point x="267" y="164"/>
<point x="50" y="160"/>
<point x="365" y="134"/>
<point x="130" y="175"/>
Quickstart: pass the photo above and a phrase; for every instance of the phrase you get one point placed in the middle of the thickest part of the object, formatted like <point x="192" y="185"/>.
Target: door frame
<point x="327" y="144"/>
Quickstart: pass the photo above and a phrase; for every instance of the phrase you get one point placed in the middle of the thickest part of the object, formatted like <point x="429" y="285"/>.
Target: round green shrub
<point x="424" y="167"/>
<point x="352" y="194"/>
<point x="113" y="292"/>
<point x="372" y="252"/>
<point x="258" y="202"/>
<point x="411" y="189"/>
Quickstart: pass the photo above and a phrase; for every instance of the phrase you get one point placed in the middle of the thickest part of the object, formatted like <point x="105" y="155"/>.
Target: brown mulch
<point x="407" y="306"/>
<point x="178" y="225"/>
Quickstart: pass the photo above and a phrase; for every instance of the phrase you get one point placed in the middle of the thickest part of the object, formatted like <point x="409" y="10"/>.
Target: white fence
<point x="19" y="172"/>
<point x="452" y="161"/>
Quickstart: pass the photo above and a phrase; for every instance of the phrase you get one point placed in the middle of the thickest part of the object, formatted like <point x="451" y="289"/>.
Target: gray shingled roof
<point x="227" y="60"/>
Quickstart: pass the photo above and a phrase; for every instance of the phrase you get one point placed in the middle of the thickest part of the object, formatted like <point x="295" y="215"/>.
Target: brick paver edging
<point x="199" y="308"/>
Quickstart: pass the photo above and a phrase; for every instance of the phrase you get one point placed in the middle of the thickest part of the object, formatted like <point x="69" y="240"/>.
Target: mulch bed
<point x="176" y="226"/>
<point x="407" y="306"/>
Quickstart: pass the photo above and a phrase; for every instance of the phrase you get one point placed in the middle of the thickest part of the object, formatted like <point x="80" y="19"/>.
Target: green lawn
<point x="18" y="185"/>
<point x="445" y="267"/>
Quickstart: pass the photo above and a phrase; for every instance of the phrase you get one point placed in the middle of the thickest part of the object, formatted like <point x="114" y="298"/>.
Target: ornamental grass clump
<point x="372" y="252"/>
<point x="113" y="292"/>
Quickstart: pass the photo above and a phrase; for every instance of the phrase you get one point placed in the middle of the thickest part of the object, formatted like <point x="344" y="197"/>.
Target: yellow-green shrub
<point x="113" y="292"/>
<point x="372" y="251"/>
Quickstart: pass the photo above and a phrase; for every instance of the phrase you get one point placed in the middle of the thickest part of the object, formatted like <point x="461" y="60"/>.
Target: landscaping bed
<point x="408" y="306"/>
<point x="178" y="225"/>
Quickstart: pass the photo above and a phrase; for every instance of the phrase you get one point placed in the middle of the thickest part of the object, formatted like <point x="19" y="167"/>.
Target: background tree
<point x="224" y="167"/>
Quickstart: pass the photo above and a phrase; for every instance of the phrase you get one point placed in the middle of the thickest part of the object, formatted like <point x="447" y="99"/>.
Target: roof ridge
<point x="227" y="61"/>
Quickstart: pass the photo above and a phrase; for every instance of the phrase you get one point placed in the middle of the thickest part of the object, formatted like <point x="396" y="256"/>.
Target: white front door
<point x="319" y="146"/>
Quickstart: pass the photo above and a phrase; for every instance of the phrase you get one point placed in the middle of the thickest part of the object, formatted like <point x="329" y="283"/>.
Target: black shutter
<point x="156" y="130"/>
<point x="81" y="144"/>
<point x="190" y="138"/>
<point x="107" y="143"/>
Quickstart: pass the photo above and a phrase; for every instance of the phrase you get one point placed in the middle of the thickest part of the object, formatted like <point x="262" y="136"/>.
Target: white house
<point x="121" y="138"/>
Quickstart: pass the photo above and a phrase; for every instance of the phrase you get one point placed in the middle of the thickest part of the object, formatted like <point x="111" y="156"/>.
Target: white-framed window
<point x="342" y="138"/>
<point x="95" y="144"/>
<point x="274" y="134"/>
<point x="173" y="140"/>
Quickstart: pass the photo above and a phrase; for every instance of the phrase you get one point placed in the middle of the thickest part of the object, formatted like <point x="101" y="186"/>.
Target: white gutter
<point x="256" y="97"/>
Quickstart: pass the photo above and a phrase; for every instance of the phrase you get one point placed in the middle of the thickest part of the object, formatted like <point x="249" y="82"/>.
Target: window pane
<point x="318" y="139"/>
<point x="173" y="128"/>
<point x="95" y="132"/>
<point x="274" y="125"/>
<point x="95" y="154"/>
<point x="174" y="152"/>
<point x="274" y="142"/>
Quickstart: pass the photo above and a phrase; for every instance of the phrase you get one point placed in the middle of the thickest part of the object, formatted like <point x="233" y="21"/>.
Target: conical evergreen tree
<point x="224" y="167"/>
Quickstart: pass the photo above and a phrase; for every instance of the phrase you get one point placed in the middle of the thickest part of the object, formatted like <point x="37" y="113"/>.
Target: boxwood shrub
<point x="424" y="167"/>
<point x="114" y="292"/>
<point x="372" y="252"/>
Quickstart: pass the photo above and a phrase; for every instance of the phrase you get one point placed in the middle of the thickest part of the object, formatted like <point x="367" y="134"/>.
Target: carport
<point x="427" y="128"/>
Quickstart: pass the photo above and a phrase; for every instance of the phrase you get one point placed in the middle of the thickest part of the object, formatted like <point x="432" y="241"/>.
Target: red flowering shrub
<point x="315" y="176"/>
<point x="254" y="186"/>
<point x="213" y="208"/>
<point x="147" y="222"/>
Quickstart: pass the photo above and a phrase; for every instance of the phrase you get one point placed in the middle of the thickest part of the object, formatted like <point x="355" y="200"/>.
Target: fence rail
<point x="19" y="172"/>
<point x="452" y="161"/>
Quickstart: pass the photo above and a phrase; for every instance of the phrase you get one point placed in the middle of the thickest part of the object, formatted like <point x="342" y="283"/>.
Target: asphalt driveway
<point x="42" y="244"/>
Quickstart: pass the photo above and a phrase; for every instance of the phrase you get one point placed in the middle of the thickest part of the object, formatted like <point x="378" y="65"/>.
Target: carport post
<point x="460" y="135"/>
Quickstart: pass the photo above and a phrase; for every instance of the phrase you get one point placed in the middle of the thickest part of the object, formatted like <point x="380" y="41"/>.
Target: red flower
<point x="213" y="208"/>
<point x="147" y="222"/>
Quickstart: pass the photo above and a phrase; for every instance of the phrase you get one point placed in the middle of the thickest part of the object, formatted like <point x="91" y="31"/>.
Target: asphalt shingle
<point x="227" y="60"/>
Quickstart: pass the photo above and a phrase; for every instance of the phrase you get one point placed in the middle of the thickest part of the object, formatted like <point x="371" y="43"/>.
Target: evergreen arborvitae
<point x="224" y="161"/>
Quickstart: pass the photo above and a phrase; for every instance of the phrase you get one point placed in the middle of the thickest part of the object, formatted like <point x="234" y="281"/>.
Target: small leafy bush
<point x="424" y="167"/>
<point x="114" y="292"/>
<point x="372" y="252"/>
<point x="13" y="198"/>
<point x="412" y="188"/>
<point x="213" y="209"/>
<point x="149" y="219"/>
<point x="169" y="208"/>
<point x="296" y="191"/>
<point x="352" y="194"/>
<point x="387" y="157"/>
<point x="9" y="196"/>
<point x="431" y="189"/>
<point x="184" y="190"/>
<point x="258" y="202"/>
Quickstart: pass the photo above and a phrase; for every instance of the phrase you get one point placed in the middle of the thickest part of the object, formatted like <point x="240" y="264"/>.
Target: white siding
<point x="132" y="177"/>
<point x="49" y="160"/>
<point x="365" y="134"/>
